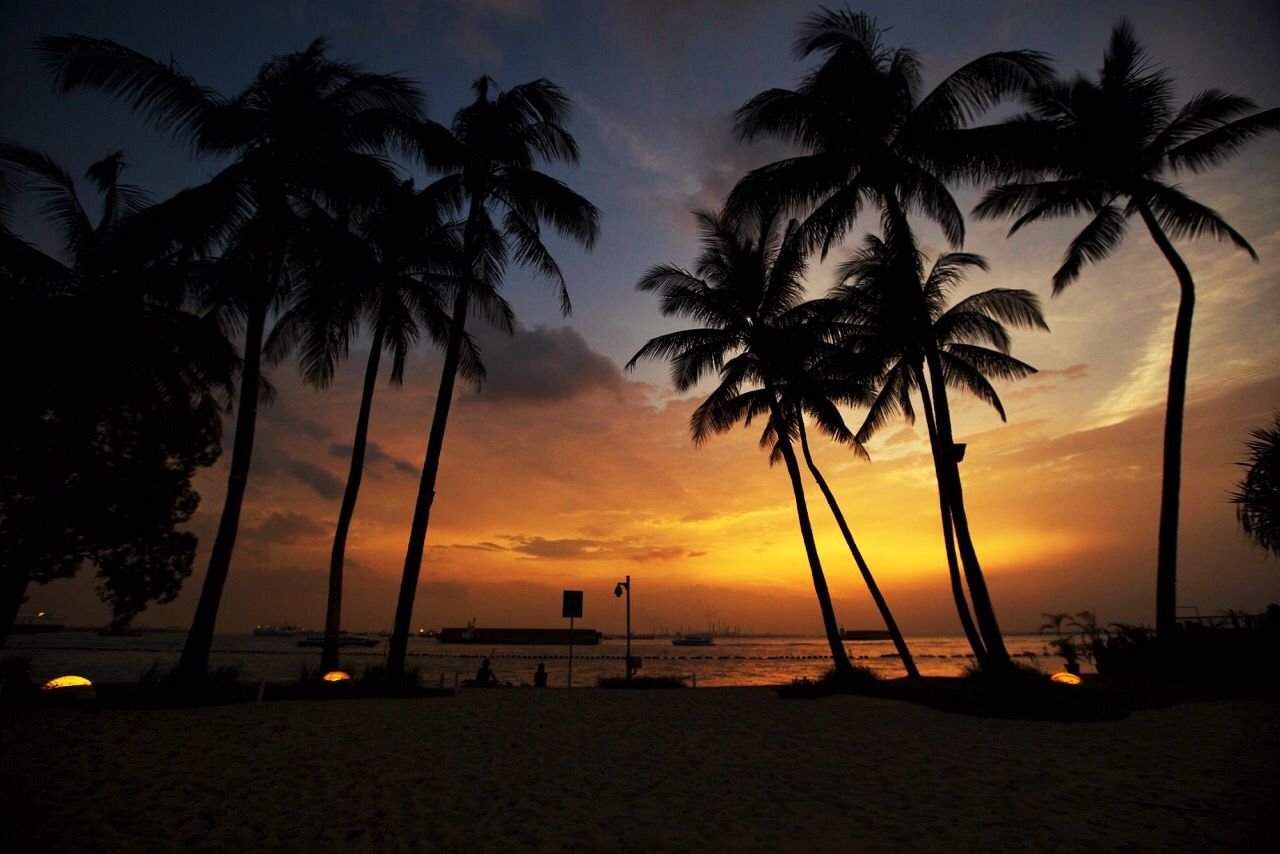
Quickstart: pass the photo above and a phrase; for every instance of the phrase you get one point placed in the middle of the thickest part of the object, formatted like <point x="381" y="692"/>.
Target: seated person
<point x="540" y="676"/>
<point x="484" y="676"/>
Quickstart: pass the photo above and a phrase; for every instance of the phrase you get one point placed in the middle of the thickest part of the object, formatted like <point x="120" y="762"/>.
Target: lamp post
<point x="617" y="591"/>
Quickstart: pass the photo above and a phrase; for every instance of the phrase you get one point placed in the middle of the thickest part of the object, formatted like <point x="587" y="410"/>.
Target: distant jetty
<point x="471" y="634"/>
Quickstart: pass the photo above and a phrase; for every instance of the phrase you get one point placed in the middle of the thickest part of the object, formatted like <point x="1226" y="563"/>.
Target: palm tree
<point x="821" y="368"/>
<point x="870" y="138"/>
<point x="129" y="396"/>
<point x="1107" y="149"/>
<point x="746" y="290"/>
<point x="971" y="341"/>
<point x="489" y="157"/>
<point x="306" y="137"/>
<point x="1258" y="498"/>
<point x="394" y="272"/>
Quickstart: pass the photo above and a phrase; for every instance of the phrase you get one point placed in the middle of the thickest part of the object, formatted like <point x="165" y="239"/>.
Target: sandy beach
<point x="729" y="769"/>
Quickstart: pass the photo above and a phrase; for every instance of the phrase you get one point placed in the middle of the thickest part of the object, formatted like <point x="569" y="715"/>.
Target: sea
<point x="730" y="661"/>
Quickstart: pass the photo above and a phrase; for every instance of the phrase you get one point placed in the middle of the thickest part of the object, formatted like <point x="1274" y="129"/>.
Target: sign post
<point x="571" y="608"/>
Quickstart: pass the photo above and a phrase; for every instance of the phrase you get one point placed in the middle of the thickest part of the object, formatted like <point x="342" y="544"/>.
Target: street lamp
<point x="617" y="591"/>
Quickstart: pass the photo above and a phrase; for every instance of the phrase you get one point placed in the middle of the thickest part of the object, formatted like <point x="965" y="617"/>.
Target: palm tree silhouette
<point x="746" y="290"/>
<point x="869" y="137"/>
<point x="489" y="157"/>
<point x="1106" y="149"/>
<point x="394" y="271"/>
<point x="1257" y="499"/>
<point x="130" y="359"/>
<point x="306" y="137"/>
<point x="969" y="337"/>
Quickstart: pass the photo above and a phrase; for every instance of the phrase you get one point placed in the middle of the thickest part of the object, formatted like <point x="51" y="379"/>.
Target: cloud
<point x="544" y="365"/>
<point x="904" y="436"/>
<point x="626" y="548"/>
<point x="285" y="528"/>
<point x="375" y="455"/>
<point x="325" y="484"/>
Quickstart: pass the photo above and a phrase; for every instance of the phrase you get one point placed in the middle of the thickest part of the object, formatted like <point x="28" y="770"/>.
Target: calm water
<point x="731" y="661"/>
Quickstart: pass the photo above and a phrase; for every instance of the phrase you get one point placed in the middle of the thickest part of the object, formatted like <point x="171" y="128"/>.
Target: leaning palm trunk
<point x="194" y="662"/>
<point x="953" y="565"/>
<point x="983" y="611"/>
<point x="13" y="592"/>
<point x="839" y="657"/>
<point x="885" y="614"/>
<point x="398" y="647"/>
<point x="333" y="612"/>
<point x="1171" y="475"/>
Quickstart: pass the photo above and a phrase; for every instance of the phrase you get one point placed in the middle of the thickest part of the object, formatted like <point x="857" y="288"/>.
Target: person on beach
<point x="540" y="676"/>
<point x="484" y="676"/>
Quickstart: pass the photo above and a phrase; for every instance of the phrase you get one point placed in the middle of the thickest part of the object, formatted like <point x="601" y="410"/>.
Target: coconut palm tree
<point x="745" y="290"/>
<point x="971" y="340"/>
<point x="1107" y="148"/>
<point x="306" y="137"/>
<point x="869" y="137"/>
<point x="128" y="400"/>
<point x="394" y="272"/>
<point x="489" y="157"/>
<point x="1258" y="498"/>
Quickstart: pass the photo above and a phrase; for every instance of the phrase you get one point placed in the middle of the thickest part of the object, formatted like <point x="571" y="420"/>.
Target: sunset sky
<point x="565" y="472"/>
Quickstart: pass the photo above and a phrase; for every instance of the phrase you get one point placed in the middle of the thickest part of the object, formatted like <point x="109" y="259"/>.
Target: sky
<point x="566" y="472"/>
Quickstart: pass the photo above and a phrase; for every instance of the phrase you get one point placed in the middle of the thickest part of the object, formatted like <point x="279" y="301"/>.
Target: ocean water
<point x="731" y="661"/>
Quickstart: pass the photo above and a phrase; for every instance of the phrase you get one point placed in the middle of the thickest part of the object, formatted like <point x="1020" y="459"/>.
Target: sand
<point x="720" y="769"/>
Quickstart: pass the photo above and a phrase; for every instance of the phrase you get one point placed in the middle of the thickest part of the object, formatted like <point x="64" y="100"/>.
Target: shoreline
<point x="707" y="769"/>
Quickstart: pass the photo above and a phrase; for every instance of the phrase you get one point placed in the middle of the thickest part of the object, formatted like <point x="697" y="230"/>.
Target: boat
<point x="694" y="640"/>
<point x="38" y="623"/>
<point x="866" y="635"/>
<point x="276" y="631"/>
<point x="346" y="639"/>
<point x="491" y="637"/>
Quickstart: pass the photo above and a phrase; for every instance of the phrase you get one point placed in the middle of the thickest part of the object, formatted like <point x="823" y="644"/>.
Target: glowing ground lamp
<point x="69" y="688"/>
<point x="336" y="676"/>
<point x="1066" y="679"/>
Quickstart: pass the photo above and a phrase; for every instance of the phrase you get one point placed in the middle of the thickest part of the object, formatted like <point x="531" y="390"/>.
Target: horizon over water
<point x="732" y="661"/>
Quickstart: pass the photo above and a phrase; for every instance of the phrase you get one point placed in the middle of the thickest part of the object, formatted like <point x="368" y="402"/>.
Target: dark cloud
<point x="324" y="483"/>
<point x="627" y="548"/>
<point x="285" y="528"/>
<point x="374" y="455"/>
<point x="695" y="554"/>
<point x="721" y="160"/>
<point x="544" y="364"/>
<point x="283" y="423"/>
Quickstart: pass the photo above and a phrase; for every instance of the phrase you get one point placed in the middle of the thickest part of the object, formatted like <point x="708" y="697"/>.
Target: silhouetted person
<point x="540" y="676"/>
<point x="484" y="676"/>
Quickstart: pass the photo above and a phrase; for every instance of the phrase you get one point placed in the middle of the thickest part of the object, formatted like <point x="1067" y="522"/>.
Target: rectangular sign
<point x="572" y="603"/>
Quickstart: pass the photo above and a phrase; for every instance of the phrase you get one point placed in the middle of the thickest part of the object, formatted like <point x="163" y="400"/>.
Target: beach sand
<point x="720" y="769"/>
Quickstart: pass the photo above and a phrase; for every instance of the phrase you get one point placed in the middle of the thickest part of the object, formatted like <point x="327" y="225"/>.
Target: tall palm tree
<point x="306" y="136"/>
<point x="869" y="137"/>
<point x="393" y="271"/>
<point x="746" y="290"/>
<point x="1107" y="148"/>
<point x="126" y="393"/>
<point x="489" y="157"/>
<point x="969" y="336"/>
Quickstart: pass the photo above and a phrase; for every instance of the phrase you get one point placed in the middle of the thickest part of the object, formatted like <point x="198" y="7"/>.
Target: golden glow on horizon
<point x="337" y="676"/>
<point x="66" y="682"/>
<point x="1066" y="679"/>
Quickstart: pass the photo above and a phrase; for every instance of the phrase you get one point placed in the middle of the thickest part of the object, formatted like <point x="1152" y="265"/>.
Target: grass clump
<point x="860" y="680"/>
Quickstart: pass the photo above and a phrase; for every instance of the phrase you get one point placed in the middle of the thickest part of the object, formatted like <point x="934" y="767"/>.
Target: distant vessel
<point x="694" y="640"/>
<point x="35" y="624"/>
<point x="346" y="639"/>
<point x="866" y="635"/>
<point x="471" y="634"/>
<point x="276" y="631"/>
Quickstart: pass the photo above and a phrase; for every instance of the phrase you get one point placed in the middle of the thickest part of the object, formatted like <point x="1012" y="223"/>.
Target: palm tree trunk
<point x="839" y="657"/>
<point x="398" y="647"/>
<point x="885" y="614"/>
<point x="13" y="592"/>
<point x="953" y="565"/>
<point x="194" y="662"/>
<point x="983" y="611"/>
<point x="333" y="612"/>
<point x="1171" y="475"/>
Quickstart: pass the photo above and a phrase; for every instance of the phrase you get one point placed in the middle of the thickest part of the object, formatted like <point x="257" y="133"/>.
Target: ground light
<point x="336" y="676"/>
<point x="1066" y="678"/>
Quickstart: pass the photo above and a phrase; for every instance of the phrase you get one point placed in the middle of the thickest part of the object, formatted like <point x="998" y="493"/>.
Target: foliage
<point x="1257" y="499"/>
<point x="858" y="680"/>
